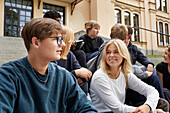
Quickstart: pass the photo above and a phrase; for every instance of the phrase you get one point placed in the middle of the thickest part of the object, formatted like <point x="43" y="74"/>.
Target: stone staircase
<point x="11" y="48"/>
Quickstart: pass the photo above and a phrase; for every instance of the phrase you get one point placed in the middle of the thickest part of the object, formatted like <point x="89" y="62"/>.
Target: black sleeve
<point x="160" y="67"/>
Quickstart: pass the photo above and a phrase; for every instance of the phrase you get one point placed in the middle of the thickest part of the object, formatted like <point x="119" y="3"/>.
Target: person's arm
<point x="8" y="90"/>
<point x="77" y="101"/>
<point x="83" y="73"/>
<point x="78" y="70"/>
<point x="143" y="109"/>
<point x="160" y="69"/>
<point x="101" y="41"/>
<point x="141" y="58"/>
<point x="139" y="73"/>
<point x="85" y="47"/>
<point x="161" y="78"/>
<point x="150" y="68"/>
<point x="148" y="91"/>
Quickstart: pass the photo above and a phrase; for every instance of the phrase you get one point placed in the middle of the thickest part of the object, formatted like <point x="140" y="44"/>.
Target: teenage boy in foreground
<point x="35" y="85"/>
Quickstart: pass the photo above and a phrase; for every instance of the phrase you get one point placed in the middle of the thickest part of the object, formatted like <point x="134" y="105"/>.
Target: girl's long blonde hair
<point x="126" y="65"/>
<point x="68" y="40"/>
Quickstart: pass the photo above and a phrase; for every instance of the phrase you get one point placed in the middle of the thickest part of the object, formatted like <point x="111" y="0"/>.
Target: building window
<point x="158" y="5"/>
<point x="136" y="27"/>
<point x="60" y="9"/>
<point x="127" y="18"/>
<point x="117" y="16"/>
<point x="17" y="13"/>
<point x="164" y="5"/>
<point x="161" y="34"/>
<point x="167" y="34"/>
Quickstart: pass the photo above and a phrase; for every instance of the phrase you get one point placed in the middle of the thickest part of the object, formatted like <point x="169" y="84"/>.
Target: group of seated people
<point x="115" y="83"/>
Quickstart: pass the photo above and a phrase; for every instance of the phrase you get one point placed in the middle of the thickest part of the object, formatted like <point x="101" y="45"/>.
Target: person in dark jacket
<point x="92" y="41"/>
<point x="137" y="55"/>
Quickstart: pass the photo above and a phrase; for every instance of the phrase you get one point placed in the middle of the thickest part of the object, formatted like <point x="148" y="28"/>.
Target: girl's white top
<point x="109" y="94"/>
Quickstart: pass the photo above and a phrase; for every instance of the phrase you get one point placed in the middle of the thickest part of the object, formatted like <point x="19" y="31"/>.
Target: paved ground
<point x="157" y="59"/>
<point x="154" y="60"/>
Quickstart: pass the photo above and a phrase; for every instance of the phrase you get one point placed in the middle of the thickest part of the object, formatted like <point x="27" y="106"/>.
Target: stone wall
<point x="11" y="48"/>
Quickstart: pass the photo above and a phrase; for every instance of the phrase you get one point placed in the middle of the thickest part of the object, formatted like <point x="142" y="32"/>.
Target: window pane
<point x="22" y="18"/>
<point x="158" y="4"/>
<point x="164" y="5"/>
<point x="167" y="33"/>
<point x="7" y="4"/>
<point x="161" y="35"/>
<point x="22" y="13"/>
<point x="117" y="16"/>
<point x="15" y="15"/>
<point x="136" y="27"/>
<point x="28" y="18"/>
<point x="28" y="13"/>
<point x="127" y="18"/>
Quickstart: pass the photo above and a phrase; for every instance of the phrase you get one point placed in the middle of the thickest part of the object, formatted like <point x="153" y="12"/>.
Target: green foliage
<point x="154" y="56"/>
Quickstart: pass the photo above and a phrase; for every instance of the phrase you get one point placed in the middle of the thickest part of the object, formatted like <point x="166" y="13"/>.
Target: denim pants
<point x="84" y="87"/>
<point x="133" y="97"/>
<point x="92" y="55"/>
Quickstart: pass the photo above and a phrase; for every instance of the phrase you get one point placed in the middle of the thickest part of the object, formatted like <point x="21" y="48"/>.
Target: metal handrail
<point x="151" y="31"/>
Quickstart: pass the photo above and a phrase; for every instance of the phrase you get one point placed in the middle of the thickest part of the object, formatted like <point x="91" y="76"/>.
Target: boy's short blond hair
<point x="90" y="24"/>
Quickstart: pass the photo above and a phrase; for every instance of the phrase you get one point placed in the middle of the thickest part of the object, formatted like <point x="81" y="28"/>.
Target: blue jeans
<point x="133" y="97"/>
<point x="92" y="55"/>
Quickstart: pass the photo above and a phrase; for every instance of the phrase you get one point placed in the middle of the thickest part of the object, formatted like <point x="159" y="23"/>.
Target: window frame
<point x="15" y="7"/>
<point x="136" y="30"/>
<point x="127" y="18"/>
<point x="118" y="19"/>
<point x="167" y="33"/>
<point x="161" y="39"/>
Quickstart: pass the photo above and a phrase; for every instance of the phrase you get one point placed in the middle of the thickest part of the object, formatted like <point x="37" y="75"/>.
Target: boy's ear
<point x="35" y="42"/>
<point x="126" y="38"/>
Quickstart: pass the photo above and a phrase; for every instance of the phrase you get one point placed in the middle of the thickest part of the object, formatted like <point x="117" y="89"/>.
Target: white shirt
<point x="109" y="94"/>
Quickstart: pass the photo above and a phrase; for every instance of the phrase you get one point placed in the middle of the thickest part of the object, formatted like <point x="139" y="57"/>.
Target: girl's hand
<point x="150" y="68"/>
<point x="80" y="82"/>
<point x="142" y="109"/>
<point x="83" y="73"/>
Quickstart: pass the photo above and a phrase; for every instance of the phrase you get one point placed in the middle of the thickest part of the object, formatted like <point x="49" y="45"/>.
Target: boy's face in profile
<point x="49" y="49"/>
